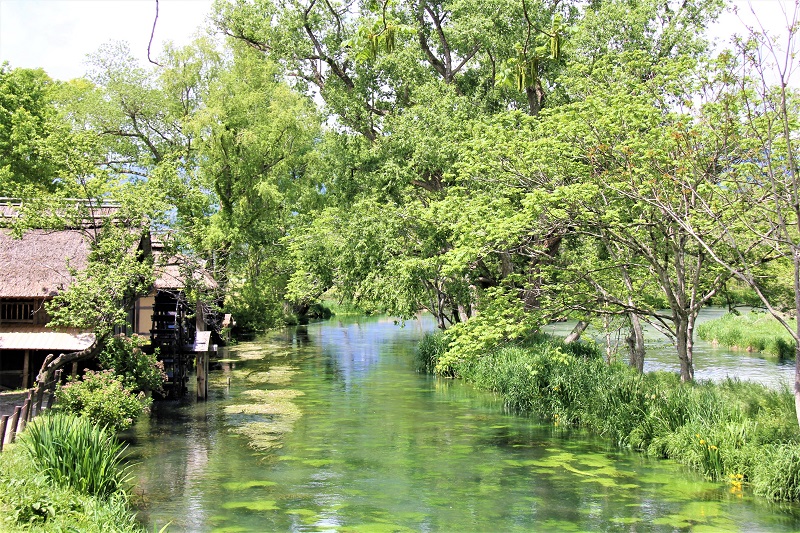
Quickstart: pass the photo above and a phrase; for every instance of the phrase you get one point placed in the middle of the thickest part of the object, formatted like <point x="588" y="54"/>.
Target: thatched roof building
<point x="38" y="265"/>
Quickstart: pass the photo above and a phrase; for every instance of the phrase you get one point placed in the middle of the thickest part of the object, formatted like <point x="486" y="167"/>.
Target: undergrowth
<point x="735" y="431"/>
<point x="751" y="331"/>
<point x="31" y="501"/>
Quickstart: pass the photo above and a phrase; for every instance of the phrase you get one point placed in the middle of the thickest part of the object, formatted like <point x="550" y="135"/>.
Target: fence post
<point x="14" y="421"/>
<point x="30" y="407"/>
<point x="53" y="384"/>
<point x="39" y="398"/>
<point x="23" y="416"/>
<point x="3" y="423"/>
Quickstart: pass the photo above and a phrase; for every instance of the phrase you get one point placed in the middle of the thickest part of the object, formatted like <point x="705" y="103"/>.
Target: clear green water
<point x="331" y="429"/>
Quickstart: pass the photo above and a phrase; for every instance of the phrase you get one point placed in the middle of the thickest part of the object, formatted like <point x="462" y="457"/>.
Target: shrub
<point x="103" y="398"/>
<point x="124" y="355"/>
<point x="73" y="452"/>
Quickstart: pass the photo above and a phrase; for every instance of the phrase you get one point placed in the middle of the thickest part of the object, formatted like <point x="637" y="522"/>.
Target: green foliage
<point x="73" y="451"/>
<point x="32" y="502"/>
<point x="99" y="297"/>
<point x="753" y="331"/>
<point x="727" y="431"/>
<point x="141" y="371"/>
<point x="28" y="125"/>
<point x="501" y="318"/>
<point x="104" y="398"/>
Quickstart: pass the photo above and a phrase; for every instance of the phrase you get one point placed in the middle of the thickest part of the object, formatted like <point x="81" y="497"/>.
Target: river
<point x="329" y="428"/>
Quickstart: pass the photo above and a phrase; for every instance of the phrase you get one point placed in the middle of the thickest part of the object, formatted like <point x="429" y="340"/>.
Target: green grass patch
<point x="71" y="451"/>
<point x="737" y="432"/>
<point x="30" y="501"/>
<point x="753" y="332"/>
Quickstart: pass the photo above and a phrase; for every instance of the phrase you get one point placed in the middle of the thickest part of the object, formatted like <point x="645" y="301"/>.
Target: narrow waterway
<point x="329" y="428"/>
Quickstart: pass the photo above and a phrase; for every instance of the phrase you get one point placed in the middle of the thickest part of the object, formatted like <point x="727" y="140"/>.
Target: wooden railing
<point x="33" y="406"/>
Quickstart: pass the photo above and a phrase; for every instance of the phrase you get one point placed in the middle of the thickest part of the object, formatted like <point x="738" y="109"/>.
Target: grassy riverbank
<point x="64" y="474"/>
<point x="753" y="332"/>
<point x="737" y="432"/>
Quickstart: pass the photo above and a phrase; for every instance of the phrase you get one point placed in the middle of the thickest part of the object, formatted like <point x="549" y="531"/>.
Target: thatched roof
<point x="171" y="273"/>
<point x="36" y="265"/>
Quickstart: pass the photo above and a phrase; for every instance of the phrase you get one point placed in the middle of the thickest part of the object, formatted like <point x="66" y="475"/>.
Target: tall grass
<point x="734" y="431"/>
<point x="71" y="451"/>
<point x="752" y="332"/>
<point x="29" y="501"/>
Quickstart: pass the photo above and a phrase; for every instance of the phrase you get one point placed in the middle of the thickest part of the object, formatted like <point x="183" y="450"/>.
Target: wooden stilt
<point x="26" y="368"/>
<point x="201" y="363"/>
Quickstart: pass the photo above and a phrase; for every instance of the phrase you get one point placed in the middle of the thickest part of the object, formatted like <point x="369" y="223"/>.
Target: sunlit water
<point x="353" y="439"/>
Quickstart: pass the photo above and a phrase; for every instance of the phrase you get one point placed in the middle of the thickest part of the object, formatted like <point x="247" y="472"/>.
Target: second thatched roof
<point x="36" y="265"/>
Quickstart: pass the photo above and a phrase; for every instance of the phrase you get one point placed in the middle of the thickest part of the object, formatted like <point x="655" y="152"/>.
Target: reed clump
<point x="737" y="432"/>
<point x="65" y="474"/>
<point x="753" y="332"/>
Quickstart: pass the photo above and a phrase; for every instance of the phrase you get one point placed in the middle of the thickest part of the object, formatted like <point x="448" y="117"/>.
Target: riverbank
<point x="31" y="502"/>
<point x="736" y="432"/>
<point x="751" y="332"/>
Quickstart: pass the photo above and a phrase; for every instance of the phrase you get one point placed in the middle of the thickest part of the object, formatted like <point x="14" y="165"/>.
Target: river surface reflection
<point x="329" y="428"/>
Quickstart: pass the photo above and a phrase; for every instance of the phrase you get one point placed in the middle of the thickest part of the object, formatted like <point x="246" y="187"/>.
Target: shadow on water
<point x="327" y="427"/>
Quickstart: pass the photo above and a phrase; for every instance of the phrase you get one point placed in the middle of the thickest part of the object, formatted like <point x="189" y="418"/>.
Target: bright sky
<point x="57" y="34"/>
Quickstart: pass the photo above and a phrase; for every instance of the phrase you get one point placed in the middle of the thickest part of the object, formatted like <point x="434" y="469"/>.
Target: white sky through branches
<point x="58" y="34"/>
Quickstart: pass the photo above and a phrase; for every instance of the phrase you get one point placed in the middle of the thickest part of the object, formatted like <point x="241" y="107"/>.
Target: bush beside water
<point x="751" y="331"/>
<point x="735" y="431"/>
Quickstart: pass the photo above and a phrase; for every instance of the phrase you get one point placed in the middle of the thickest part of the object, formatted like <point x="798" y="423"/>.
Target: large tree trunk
<point x="796" y="261"/>
<point x="636" y="343"/>
<point x="576" y="332"/>
<point x="684" y="344"/>
<point x="53" y="363"/>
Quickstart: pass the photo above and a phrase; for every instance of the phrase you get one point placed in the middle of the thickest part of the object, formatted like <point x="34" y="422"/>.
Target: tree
<point x="749" y="214"/>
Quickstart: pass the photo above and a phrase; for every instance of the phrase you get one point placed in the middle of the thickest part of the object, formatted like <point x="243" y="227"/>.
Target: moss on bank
<point x="737" y="432"/>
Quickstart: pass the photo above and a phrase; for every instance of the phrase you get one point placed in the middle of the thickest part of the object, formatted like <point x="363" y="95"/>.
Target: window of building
<point x="17" y="311"/>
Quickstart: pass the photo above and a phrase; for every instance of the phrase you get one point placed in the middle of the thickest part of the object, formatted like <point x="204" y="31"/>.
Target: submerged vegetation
<point x="738" y="432"/>
<point x="753" y="332"/>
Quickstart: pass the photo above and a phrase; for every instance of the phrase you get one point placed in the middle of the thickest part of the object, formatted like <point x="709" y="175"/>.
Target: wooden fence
<point x="33" y="406"/>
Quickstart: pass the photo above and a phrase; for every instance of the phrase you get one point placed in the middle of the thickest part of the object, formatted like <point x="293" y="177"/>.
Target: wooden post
<point x="39" y="399"/>
<point x="53" y="385"/>
<point x="30" y="406"/>
<point x="23" y="417"/>
<point x="14" y="419"/>
<point x="26" y="368"/>
<point x="3" y="424"/>
<point x="74" y="369"/>
<point x="201" y="363"/>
